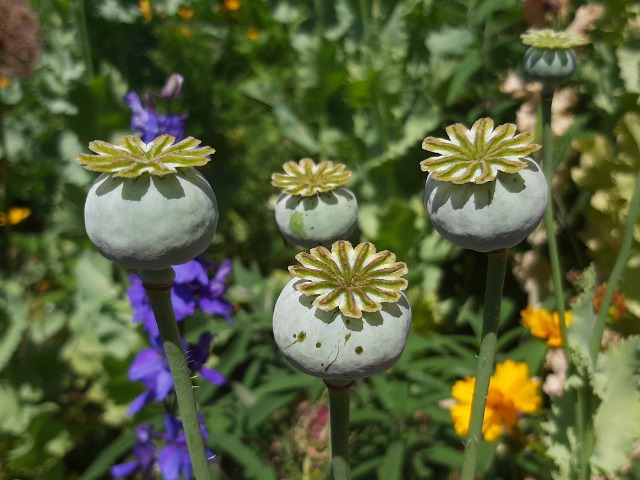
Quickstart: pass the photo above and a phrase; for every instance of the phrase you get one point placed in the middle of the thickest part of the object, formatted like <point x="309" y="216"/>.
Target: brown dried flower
<point x="20" y="42"/>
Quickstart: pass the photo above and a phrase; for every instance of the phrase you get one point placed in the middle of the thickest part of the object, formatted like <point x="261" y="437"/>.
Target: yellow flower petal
<point x="544" y="324"/>
<point x="511" y="392"/>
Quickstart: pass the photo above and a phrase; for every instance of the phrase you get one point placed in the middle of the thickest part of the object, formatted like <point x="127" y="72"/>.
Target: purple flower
<point x="145" y="452"/>
<point x="145" y="117"/>
<point x="192" y="289"/>
<point x="150" y="367"/>
<point x="173" y="458"/>
<point x="198" y="356"/>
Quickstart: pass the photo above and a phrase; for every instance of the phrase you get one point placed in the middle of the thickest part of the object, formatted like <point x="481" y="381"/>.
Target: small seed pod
<point x="143" y="219"/>
<point x="314" y="207"/>
<point x="550" y="57"/>
<point x="549" y="65"/>
<point x="346" y="326"/>
<point x="482" y="192"/>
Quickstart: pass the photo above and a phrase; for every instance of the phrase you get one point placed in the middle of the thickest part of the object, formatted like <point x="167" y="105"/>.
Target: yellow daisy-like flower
<point x="545" y="324"/>
<point x="306" y="178"/>
<point x="478" y="154"/>
<point x="512" y="392"/>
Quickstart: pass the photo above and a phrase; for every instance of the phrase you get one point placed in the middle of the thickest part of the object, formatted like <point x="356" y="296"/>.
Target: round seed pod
<point x="550" y="65"/>
<point x="319" y="219"/>
<point x="333" y="346"/>
<point x="488" y="216"/>
<point x="151" y="222"/>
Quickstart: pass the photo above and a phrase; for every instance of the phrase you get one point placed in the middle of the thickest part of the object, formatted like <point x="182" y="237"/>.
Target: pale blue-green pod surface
<point x="319" y="219"/>
<point x="490" y="216"/>
<point x="332" y="346"/>
<point x="151" y="222"/>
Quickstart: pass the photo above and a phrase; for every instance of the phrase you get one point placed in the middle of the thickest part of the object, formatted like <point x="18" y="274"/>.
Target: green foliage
<point x="345" y="80"/>
<point x="617" y="419"/>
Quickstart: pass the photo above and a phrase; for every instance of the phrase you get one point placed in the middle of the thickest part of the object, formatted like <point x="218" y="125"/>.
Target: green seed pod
<point x="150" y="208"/>
<point x="151" y="222"/>
<point x="483" y="192"/>
<point x="549" y="65"/>
<point x="314" y="207"/>
<point x="550" y="57"/>
<point x="488" y="216"/>
<point x="347" y="325"/>
<point x="317" y="220"/>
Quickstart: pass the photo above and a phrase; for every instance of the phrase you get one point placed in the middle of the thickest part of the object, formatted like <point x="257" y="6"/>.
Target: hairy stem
<point x="496" y="268"/>
<point x="158" y="287"/>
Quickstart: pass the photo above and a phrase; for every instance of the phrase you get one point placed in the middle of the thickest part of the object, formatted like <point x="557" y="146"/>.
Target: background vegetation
<point x="267" y="81"/>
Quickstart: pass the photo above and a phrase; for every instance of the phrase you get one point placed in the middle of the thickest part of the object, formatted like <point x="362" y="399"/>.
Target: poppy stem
<point x="157" y="284"/>
<point x="339" y="396"/>
<point x="548" y="167"/>
<point x="496" y="268"/>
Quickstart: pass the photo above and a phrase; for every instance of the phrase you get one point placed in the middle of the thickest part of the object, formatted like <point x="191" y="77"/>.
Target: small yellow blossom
<point x="253" y="34"/>
<point x="14" y="216"/>
<point x="512" y="392"/>
<point x="5" y="82"/>
<point x="231" y="5"/>
<point x="185" y="13"/>
<point x="545" y="324"/>
<point x="146" y="9"/>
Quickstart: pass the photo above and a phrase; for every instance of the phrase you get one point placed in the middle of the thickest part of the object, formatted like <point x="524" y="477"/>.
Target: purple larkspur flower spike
<point x="173" y="458"/>
<point x="192" y="289"/>
<point x="150" y="367"/>
<point x="144" y="452"/>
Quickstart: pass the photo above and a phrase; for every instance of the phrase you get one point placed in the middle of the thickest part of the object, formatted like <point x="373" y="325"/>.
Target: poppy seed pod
<point x="320" y="219"/>
<point x="550" y="57"/>
<point x="150" y="208"/>
<point x="314" y="208"/>
<point x="345" y="316"/>
<point x="332" y="346"/>
<point x="549" y="65"/>
<point x="151" y="222"/>
<point x="489" y="216"/>
<point x="483" y="192"/>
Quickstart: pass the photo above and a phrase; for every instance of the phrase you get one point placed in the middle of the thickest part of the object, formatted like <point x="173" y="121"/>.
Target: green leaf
<point x="460" y="81"/>
<point x="617" y="420"/>
<point x="226" y="444"/>
<point x="448" y="42"/>
<point x="13" y="315"/>
<point x="392" y="464"/>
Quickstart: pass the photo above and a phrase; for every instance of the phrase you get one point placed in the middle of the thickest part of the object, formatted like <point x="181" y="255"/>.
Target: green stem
<point x="339" y="395"/>
<point x="157" y="284"/>
<point x="618" y="268"/>
<point x="497" y="265"/>
<point x="583" y="414"/>
<point x="548" y="167"/>
<point x="84" y="37"/>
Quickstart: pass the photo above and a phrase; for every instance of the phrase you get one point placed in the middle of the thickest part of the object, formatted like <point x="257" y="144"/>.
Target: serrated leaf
<point x="617" y="420"/>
